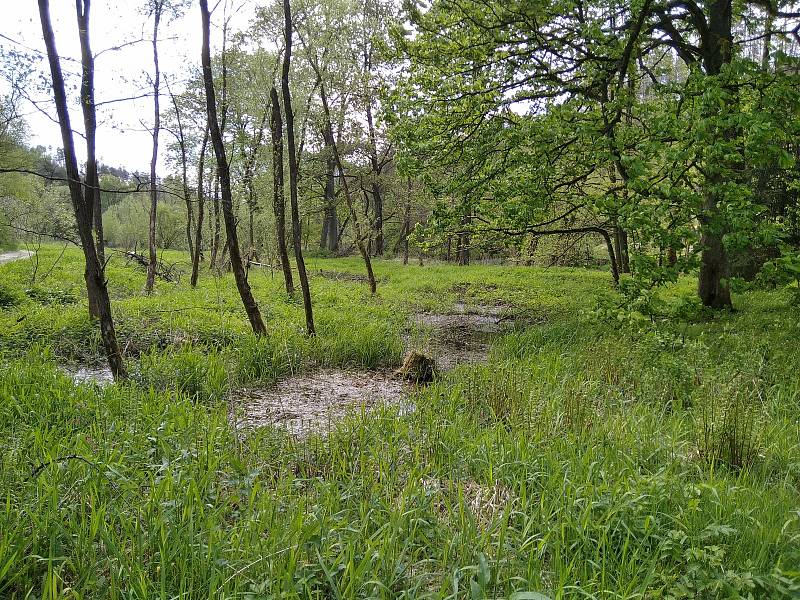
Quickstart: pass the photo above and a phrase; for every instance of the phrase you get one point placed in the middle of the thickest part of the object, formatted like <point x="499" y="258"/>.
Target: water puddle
<point x="462" y="336"/>
<point x="314" y="402"/>
<point x="83" y="375"/>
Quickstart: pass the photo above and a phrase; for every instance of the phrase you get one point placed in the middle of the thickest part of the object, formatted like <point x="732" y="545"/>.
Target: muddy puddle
<point x="314" y="402"/>
<point x="462" y="336"/>
<point x="88" y="375"/>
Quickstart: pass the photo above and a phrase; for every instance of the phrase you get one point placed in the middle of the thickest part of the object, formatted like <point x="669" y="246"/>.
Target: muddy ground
<point x="313" y="402"/>
<point x="462" y="336"/>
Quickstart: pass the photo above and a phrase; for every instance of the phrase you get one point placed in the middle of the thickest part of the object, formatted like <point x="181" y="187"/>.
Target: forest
<point x="400" y="299"/>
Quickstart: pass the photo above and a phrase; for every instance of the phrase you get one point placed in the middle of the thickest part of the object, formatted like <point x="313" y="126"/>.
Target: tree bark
<point x="330" y="220"/>
<point x="223" y="171"/>
<point x="712" y="286"/>
<point x="82" y="207"/>
<point x="377" y="198"/>
<point x="198" y="234"/>
<point x="621" y="249"/>
<point x="90" y="126"/>
<point x="293" y="171"/>
<point x="216" y="224"/>
<point x="279" y="197"/>
<point x="249" y="173"/>
<point x="151" y="238"/>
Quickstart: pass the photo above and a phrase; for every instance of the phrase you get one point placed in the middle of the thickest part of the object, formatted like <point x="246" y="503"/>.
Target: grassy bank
<point x="583" y="459"/>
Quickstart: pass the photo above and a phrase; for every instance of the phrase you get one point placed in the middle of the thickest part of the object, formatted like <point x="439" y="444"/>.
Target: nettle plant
<point x="783" y="271"/>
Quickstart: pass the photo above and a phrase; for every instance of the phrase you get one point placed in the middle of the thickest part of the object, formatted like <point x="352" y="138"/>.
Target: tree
<point x="526" y="110"/>
<point x="90" y="130"/>
<point x="279" y="197"/>
<point x="293" y="166"/>
<point x="82" y="206"/>
<point x="223" y="173"/>
<point x="198" y="236"/>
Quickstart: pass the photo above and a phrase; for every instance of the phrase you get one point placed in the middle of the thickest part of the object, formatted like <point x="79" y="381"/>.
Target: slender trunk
<point x="293" y="174"/>
<point x="81" y="205"/>
<point x="216" y="224"/>
<point x="239" y="273"/>
<point x="279" y="197"/>
<point x="362" y="248"/>
<point x="621" y="249"/>
<point x="249" y="173"/>
<point x="766" y="50"/>
<point x="377" y="210"/>
<point x="407" y="223"/>
<point x="92" y="190"/>
<point x="330" y="222"/>
<point x="198" y="239"/>
<point x="181" y="139"/>
<point x="612" y="259"/>
<point x="323" y="240"/>
<point x="464" y="240"/>
<point x="377" y="205"/>
<point x="151" y="239"/>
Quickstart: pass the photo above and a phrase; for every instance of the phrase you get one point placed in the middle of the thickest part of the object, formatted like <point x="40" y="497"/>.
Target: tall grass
<point x="581" y="460"/>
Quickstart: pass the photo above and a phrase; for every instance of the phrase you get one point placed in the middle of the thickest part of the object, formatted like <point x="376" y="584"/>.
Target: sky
<point x="123" y="68"/>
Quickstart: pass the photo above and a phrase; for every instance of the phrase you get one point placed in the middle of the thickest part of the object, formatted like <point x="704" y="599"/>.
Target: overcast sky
<point x="123" y="138"/>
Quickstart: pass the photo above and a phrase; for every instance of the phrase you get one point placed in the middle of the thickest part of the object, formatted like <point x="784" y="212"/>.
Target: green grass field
<point x="583" y="459"/>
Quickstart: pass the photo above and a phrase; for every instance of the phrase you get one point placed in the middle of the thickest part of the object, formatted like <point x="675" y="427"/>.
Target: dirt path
<point x="6" y="257"/>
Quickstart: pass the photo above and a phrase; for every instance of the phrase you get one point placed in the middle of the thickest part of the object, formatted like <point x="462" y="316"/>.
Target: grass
<point x="582" y="460"/>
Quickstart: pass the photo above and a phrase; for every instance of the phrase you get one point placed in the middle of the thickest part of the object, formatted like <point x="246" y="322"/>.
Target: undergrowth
<point x="581" y="459"/>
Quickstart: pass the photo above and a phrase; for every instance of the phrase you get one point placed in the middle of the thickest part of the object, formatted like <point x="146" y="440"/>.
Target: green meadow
<point x="585" y="457"/>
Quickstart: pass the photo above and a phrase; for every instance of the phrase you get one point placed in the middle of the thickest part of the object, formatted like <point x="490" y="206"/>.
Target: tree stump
<point x="417" y="367"/>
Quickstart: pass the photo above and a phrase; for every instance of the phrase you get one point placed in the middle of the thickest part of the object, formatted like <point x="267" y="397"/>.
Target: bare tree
<point x="82" y="206"/>
<point x="223" y="172"/>
<point x="293" y="171"/>
<point x="90" y="127"/>
<point x="279" y="198"/>
<point x="180" y="138"/>
<point x="198" y="235"/>
<point x="156" y="8"/>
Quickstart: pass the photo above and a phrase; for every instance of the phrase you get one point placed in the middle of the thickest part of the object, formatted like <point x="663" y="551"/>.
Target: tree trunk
<point x="407" y="223"/>
<point x="181" y="139"/>
<point x="362" y="248"/>
<point x="621" y="249"/>
<point x="198" y="235"/>
<point x="223" y="171"/>
<point x="92" y="188"/>
<point x="712" y="286"/>
<point x="216" y="224"/>
<point x="151" y="238"/>
<point x="279" y="198"/>
<point x="293" y="171"/>
<point x="81" y="205"/>
<point x="330" y="220"/>
<point x="464" y="240"/>
<point x="377" y="204"/>
<point x="249" y="173"/>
